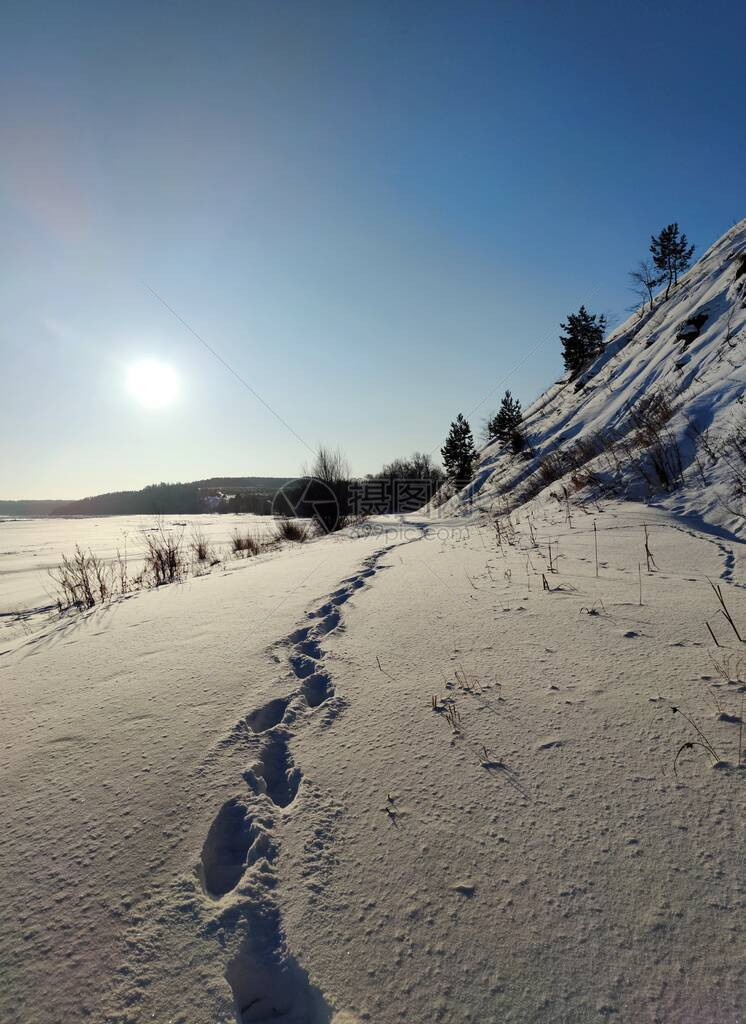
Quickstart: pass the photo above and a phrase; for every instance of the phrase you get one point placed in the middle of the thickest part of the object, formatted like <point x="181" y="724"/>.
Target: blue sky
<point x="372" y="211"/>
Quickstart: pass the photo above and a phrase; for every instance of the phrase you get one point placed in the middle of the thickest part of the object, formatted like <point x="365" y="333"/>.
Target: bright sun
<point x="152" y="383"/>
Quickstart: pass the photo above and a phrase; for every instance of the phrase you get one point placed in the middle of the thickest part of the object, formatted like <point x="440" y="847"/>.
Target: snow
<point x="30" y="548"/>
<point x="423" y="770"/>
<point x="704" y="378"/>
<point x="235" y="793"/>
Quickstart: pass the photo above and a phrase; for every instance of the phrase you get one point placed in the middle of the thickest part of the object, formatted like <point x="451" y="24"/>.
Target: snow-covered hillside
<point x="660" y="414"/>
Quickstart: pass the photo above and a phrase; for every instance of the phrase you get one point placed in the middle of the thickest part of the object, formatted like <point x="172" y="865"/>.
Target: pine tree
<point x="583" y="340"/>
<point x="459" y="453"/>
<point x="504" y="425"/>
<point x="671" y="254"/>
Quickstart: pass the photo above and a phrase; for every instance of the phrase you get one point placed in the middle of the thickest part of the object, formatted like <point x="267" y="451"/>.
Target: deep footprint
<point x="225" y="850"/>
<point x="316" y="689"/>
<point x="311" y="649"/>
<point x="281" y="776"/>
<point x="268" y="716"/>
<point x="329" y="623"/>
<point x="267" y="983"/>
<point x="299" y="635"/>
<point x="302" y="665"/>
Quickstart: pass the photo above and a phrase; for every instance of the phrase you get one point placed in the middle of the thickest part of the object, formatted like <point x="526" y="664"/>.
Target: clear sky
<point x="371" y="210"/>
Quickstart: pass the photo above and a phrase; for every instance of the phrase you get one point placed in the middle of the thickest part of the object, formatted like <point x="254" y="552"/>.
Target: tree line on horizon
<point x="176" y="499"/>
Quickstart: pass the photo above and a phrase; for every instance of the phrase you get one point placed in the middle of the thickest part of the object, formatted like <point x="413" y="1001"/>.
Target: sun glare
<point x="152" y="383"/>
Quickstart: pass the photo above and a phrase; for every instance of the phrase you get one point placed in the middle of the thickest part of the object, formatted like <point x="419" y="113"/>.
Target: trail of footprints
<point x="267" y="983"/>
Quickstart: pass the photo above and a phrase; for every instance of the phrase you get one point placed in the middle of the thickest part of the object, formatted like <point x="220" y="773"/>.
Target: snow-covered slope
<point x="659" y="413"/>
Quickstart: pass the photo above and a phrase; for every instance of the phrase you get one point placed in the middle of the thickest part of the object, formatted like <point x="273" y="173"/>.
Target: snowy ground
<point x="29" y="548"/>
<point x="233" y="799"/>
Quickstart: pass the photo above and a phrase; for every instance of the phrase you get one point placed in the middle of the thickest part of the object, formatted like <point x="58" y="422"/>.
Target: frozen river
<point x="29" y="548"/>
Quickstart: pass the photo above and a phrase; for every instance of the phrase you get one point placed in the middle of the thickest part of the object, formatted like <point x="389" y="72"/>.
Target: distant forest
<point x="217" y="494"/>
<point x="42" y="507"/>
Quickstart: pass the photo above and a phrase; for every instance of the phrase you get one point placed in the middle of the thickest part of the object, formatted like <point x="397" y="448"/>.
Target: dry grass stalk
<point x="82" y="580"/>
<point x="728" y="667"/>
<point x="715" y="639"/>
<point x="724" y="609"/>
<point x="453" y="717"/>
<point x="648" y="552"/>
<point x="290" y="530"/>
<point x="245" y="545"/>
<point x="199" y="546"/>
<point x="164" y="557"/>
<point x="703" y="740"/>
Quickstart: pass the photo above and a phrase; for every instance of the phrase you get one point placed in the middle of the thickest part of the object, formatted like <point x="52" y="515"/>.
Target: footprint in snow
<point x="311" y="649"/>
<point x="302" y="665"/>
<point x="268" y="716"/>
<point x="232" y="845"/>
<point x="550" y="744"/>
<point x="267" y="982"/>
<point x="299" y="635"/>
<point x="317" y="688"/>
<point x="328" y="623"/>
<point x="464" y="889"/>
<point x="732" y="719"/>
<point x="275" y="774"/>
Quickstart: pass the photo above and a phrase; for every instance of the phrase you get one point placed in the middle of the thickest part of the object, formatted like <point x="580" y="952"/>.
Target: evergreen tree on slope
<point x="671" y="254"/>
<point x="459" y="453"/>
<point x="583" y="339"/>
<point x="506" y="422"/>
